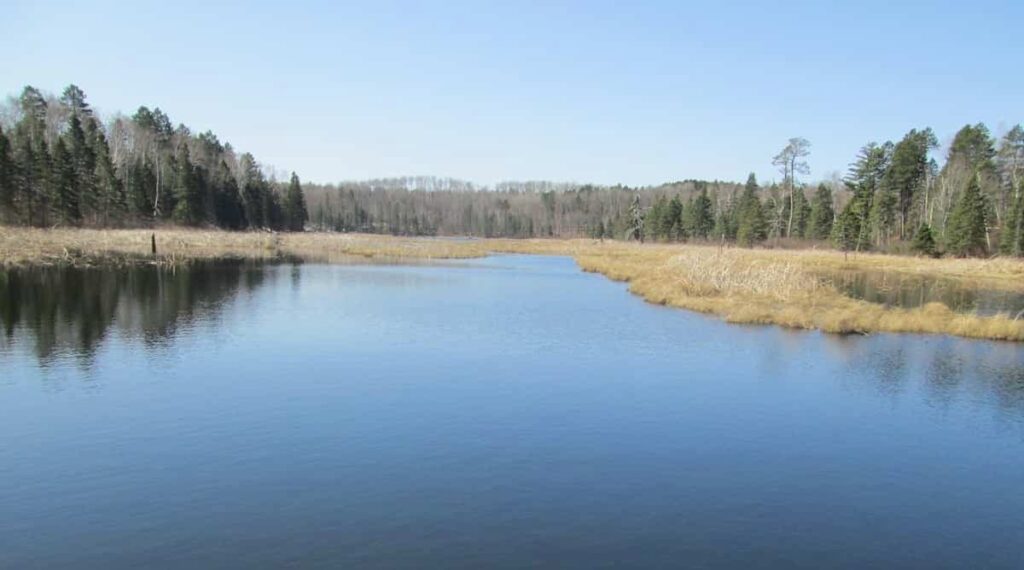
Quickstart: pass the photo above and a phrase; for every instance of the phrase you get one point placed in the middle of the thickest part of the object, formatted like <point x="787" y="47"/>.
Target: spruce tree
<point x="111" y="199"/>
<point x="907" y="174"/>
<point x="227" y="203"/>
<point x="819" y="226"/>
<point x="802" y="213"/>
<point x="924" y="241"/>
<point x="966" y="231"/>
<point x="752" y="227"/>
<point x="883" y="215"/>
<point x="675" y="219"/>
<point x="84" y="165"/>
<point x="846" y="230"/>
<point x="65" y="200"/>
<point x="295" y="206"/>
<point x="703" y="217"/>
<point x="141" y="183"/>
<point x="187" y="208"/>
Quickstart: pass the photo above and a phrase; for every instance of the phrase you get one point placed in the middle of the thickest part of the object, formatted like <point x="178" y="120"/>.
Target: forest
<point x="62" y="165"/>
<point x="894" y="198"/>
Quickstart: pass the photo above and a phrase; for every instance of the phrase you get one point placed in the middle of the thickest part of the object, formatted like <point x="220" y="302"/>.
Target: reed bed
<point x="761" y="286"/>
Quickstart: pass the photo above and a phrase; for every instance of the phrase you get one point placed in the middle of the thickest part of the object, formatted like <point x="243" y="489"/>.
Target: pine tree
<point x="703" y="218"/>
<point x="84" y="165"/>
<point x="908" y="173"/>
<point x="141" y="182"/>
<point x="74" y="99"/>
<point x="802" y="213"/>
<point x="924" y="241"/>
<point x="819" y="226"/>
<point x="966" y="234"/>
<point x="227" y="202"/>
<point x="112" y="201"/>
<point x="65" y="201"/>
<point x="846" y="230"/>
<point x="752" y="228"/>
<point x="295" y="206"/>
<point x="674" y="219"/>
<point x="865" y="179"/>
<point x="883" y="215"/>
<point x="187" y="208"/>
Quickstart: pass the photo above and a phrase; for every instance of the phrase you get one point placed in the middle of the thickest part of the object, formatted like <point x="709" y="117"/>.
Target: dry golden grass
<point x="19" y="246"/>
<point x="781" y="287"/>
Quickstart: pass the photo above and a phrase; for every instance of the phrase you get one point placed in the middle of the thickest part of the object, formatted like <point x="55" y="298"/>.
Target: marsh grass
<point x="782" y="287"/>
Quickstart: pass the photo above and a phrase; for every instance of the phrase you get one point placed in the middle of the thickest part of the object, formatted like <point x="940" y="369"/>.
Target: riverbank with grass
<point x="756" y="286"/>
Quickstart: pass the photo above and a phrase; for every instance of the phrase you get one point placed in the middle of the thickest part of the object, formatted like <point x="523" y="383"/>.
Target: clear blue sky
<point x="605" y="92"/>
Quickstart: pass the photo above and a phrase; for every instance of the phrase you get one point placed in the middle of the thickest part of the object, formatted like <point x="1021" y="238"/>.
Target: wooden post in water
<point x="152" y="244"/>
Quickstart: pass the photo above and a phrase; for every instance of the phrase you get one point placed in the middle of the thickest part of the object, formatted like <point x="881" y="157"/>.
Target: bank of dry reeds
<point x="782" y="287"/>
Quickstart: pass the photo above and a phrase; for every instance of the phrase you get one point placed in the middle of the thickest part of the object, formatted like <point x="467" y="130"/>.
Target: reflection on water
<point x="909" y="291"/>
<point x="65" y="310"/>
<point x="502" y="412"/>
<point x="941" y="371"/>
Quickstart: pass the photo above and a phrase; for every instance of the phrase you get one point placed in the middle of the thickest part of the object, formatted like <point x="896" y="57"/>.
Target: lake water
<point x="909" y="291"/>
<point x="505" y="412"/>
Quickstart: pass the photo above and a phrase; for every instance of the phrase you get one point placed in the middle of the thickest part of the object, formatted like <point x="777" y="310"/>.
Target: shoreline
<point x="748" y="286"/>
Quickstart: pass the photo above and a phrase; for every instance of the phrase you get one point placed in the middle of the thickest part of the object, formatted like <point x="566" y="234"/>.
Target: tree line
<point x="61" y="165"/>
<point x="894" y="197"/>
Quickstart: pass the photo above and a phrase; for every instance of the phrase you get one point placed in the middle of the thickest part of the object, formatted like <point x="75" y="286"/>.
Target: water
<point x="506" y="412"/>
<point x="911" y="291"/>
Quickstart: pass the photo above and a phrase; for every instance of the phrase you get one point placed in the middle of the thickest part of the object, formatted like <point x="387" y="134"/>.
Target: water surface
<point x="505" y="412"/>
<point x="894" y="289"/>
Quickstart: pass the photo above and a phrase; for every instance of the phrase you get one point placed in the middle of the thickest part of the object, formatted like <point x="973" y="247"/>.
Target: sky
<point x="637" y="93"/>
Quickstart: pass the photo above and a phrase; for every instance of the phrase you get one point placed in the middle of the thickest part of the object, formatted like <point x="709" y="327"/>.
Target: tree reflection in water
<point x="67" y="310"/>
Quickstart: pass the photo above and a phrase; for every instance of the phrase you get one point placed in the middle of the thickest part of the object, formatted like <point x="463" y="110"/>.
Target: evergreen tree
<point x="252" y="185"/>
<point x="883" y="215"/>
<point x="907" y="174"/>
<point x="724" y="229"/>
<point x="865" y="179"/>
<point x="227" y="202"/>
<point x="924" y="241"/>
<point x="73" y="99"/>
<point x="111" y="200"/>
<point x="295" y="206"/>
<point x="674" y="219"/>
<point x="7" y="179"/>
<point x="819" y="226"/>
<point x="752" y="228"/>
<point x="702" y="216"/>
<point x="188" y="205"/>
<point x="84" y="167"/>
<point x="966" y="234"/>
<point x="656" y="222"/>
<point x="847" y="228"/>
<point x="65" y="202"/>
<point x="31" y="154"/>
<point x="802" y="213"/>
<point x="141" y="183"/>
<point x="1012" y="239"/>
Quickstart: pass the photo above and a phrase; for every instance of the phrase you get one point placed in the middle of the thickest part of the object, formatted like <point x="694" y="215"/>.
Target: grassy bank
<point x="780" y="287"/>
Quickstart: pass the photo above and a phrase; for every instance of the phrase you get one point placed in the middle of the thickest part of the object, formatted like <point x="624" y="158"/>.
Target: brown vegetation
<point x="741" y="285"/>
